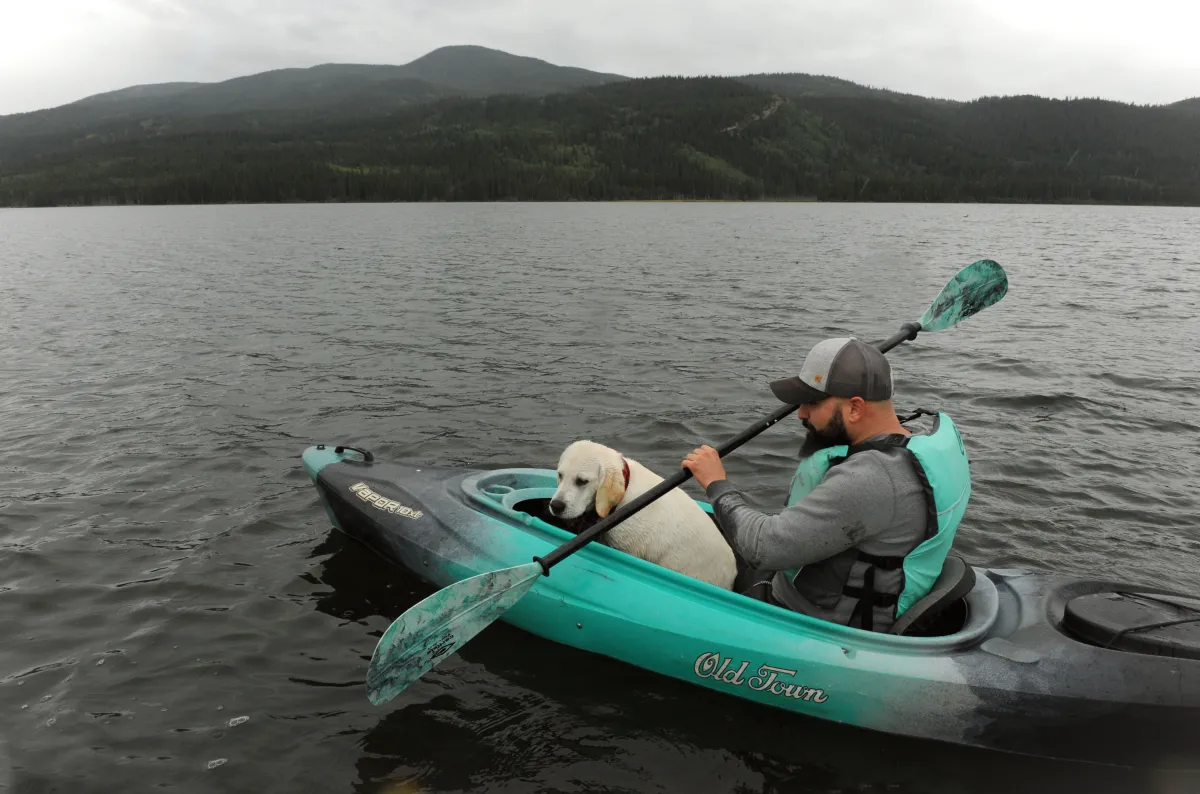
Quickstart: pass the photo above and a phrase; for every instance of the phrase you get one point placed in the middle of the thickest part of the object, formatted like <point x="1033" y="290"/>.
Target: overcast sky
<point x="56" y="51"/>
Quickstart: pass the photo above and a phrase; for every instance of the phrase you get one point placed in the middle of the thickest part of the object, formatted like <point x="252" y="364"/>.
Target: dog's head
<point x="590" y="478"/>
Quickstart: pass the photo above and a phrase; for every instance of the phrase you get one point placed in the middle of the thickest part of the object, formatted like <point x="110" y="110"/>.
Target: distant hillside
<point x="137" y="93"/>
<point x="291" y="95"/>
<point x="643" y="139"/>
<point x="280" y="99"/>
<point x="1191" y="106"/>
<point x="479" y="70"/>
<point x="798" y="85"/>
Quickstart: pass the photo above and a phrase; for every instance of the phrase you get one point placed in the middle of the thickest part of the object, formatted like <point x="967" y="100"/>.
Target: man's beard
<point x="834" y="434"/>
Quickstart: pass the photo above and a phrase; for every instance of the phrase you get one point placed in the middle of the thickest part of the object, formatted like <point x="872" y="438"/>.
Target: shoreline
<point x="780" y="200"/>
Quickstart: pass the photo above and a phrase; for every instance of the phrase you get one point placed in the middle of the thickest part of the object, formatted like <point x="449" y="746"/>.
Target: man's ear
<point x="856" y="409"/>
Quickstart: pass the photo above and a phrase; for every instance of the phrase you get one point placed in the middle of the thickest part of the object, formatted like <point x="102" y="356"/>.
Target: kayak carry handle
<point x="367" y="456"/>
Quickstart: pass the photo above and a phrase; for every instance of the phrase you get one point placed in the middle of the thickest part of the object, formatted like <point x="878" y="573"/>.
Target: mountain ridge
<point x="457" y="67"/>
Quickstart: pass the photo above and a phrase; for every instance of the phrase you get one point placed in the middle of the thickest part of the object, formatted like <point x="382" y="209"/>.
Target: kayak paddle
<point x="432" y="629"/>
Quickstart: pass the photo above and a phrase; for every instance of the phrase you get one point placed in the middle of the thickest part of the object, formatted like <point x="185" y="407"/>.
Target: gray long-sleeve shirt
<point x="873" y="502"/>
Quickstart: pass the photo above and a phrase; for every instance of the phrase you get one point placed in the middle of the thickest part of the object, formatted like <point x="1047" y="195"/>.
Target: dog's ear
<point x="611" y="490"/>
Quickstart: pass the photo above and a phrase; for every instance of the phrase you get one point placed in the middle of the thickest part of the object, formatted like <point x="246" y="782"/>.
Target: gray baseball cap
<point x="842" y="367"/>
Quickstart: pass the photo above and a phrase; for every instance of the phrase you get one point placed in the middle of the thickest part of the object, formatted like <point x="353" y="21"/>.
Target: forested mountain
<point x="792" y="84"/>
<point x="299" y="94"/>
<point x="427" y="132"/>
<point x="1191" y="106"/>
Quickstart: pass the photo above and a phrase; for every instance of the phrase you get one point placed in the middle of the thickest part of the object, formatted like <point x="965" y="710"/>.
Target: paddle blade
<point x="973" y="289"/>
<point x="439" y="625"/>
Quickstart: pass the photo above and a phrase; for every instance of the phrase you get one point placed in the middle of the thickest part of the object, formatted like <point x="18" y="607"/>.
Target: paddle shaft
<point x="907" y="331"/>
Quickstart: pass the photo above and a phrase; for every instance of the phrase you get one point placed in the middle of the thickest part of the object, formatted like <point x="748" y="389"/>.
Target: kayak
<point x="1046" y="665"/>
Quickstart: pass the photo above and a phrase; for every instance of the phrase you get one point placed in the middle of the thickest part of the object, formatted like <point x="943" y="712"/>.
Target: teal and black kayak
<point x="1052" y="666"/>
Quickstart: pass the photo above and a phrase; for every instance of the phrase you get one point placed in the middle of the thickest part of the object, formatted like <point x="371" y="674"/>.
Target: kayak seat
<point x="942" y="611"/>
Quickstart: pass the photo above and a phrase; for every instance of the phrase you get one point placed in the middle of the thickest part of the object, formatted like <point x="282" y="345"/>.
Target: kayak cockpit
<point x="969" y="604"/>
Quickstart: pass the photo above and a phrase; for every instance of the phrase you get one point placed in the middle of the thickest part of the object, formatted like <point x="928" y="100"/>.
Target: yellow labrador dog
<point x="672" y="531"/>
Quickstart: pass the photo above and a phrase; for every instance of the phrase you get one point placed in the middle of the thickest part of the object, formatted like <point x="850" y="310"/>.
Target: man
<point x="872" y="509"/>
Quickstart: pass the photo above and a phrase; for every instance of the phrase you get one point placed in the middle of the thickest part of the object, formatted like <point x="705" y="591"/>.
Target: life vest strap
<point x="868" y="599"/>
<point x="877" y="599"/>
<point x="883" y="563"/>
<point x="863" y="615"/>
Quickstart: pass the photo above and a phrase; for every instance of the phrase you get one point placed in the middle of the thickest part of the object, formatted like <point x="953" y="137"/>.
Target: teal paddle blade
<point x="973" y="289"/>
<point x="436" y="627"/>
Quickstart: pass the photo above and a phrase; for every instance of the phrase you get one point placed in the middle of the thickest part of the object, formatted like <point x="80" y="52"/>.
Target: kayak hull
<point x="1008" y="679"/>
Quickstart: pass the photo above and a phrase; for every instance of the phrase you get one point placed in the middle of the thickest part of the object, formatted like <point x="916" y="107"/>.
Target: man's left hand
<point x="705" y="465"/>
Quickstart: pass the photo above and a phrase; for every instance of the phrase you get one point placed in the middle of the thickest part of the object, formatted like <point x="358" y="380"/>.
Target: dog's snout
<point x="557" y="506"/>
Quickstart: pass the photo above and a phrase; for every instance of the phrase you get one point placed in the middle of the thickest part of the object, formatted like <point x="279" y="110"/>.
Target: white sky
<point x="56" y="51"/>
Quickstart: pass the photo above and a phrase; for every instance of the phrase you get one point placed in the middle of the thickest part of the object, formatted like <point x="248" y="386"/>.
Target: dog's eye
<point x="560" y="476"/>
<point x="581" y="481"/>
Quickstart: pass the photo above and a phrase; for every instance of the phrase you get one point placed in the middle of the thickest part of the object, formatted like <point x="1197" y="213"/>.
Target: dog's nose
<point x="557" y="506"/>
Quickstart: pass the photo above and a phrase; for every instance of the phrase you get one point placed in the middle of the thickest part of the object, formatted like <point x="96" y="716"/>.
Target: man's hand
<point x="705" y="465"/>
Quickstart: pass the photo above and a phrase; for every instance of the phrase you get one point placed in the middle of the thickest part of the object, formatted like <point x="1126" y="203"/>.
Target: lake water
<point x="178" y="613"/>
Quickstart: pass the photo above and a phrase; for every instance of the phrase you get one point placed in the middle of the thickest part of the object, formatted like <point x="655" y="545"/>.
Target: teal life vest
<point x="942" y="467"/>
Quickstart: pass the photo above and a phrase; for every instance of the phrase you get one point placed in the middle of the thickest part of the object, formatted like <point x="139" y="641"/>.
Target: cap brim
<point x="794" y="391"/>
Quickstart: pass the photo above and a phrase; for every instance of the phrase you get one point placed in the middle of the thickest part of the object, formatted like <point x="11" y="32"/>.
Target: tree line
<point x="662" y="138"/>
